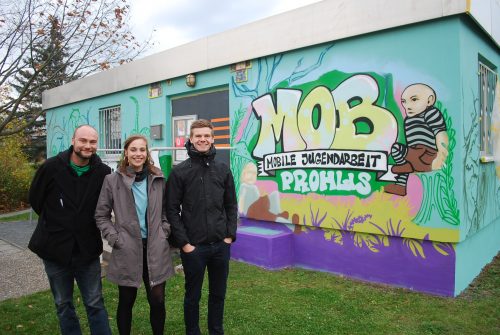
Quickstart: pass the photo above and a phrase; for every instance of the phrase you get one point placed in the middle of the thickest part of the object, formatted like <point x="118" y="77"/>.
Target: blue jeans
<point x="215" y="258"/>
<point x="88" y="278"/>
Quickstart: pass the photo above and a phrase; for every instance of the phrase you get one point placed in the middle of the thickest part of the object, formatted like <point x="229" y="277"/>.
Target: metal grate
<point x="487" y="84"/>
<point x="110" y="136"/>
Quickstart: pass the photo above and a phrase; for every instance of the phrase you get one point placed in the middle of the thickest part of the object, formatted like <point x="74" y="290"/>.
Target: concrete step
<point x="264" y="247"/>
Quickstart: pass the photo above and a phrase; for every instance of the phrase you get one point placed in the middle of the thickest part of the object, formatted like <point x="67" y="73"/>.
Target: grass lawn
<point x="19" y="217"/>
<point x="295" y="301"/>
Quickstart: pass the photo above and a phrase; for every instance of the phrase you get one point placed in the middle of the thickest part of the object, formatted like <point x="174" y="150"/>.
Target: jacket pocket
<point x="162" y="234"/>
<point x="39" y="238"/>
<point x="119" y="242"/>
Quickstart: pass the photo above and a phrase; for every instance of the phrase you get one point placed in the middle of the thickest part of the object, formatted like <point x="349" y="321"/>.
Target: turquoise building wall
<point x="138" y="111"/>
<point x="436" y="238"/>
<point x="480" y="190"/>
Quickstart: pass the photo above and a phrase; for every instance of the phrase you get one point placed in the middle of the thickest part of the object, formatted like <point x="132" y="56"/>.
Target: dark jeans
<point x="215" y="258"/>
<point x="88" y="278"/>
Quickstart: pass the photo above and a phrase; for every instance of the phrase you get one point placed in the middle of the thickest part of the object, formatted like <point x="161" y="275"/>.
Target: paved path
<point x="21" y="271"/>
<point x="15" y="213"/>
<point x="17" y="233"/>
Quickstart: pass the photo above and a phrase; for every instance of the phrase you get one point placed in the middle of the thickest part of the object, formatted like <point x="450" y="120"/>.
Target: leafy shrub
<point x="15" y="173"/>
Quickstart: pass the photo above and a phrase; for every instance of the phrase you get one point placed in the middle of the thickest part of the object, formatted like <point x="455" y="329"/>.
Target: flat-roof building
<point x="362" y="134"/>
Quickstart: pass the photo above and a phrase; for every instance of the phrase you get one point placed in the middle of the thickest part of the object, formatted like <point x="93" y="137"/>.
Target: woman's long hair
<point x="149" y="164"/>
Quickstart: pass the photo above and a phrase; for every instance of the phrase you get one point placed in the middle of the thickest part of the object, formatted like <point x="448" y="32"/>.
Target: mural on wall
<point x="61" y="124"/>
<point x="345" y="152"/>
<point x="137" y="129"/>
<point x="496" y="127"/>
<point x="61" y="131"/>
<point x="426" y="147"/>
<point x="480" y="194"/>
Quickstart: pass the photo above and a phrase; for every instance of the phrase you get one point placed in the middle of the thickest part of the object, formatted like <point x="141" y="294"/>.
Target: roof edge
<point x="321" y="22"/>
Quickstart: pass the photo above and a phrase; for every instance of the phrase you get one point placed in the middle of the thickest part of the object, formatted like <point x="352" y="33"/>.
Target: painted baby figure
<point x="426" y="147"/>
<point x="255" y="205"/>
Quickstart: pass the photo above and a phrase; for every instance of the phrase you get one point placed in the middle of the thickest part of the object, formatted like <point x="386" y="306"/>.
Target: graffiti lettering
<point x="274" y="162"/>
<point x="354" y="99"/>
<point x="273" y="121"/>
<point x="323" y="181"/>
<point x="320" y="137"/>
<point x="345" y="159"/>
<point x="324" y="159"/>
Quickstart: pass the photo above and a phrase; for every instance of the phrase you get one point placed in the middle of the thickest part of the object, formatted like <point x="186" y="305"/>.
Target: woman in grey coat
<point x="136" y="194"/>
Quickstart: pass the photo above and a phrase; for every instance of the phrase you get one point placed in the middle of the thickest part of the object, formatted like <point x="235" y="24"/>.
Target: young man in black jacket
<point x="202" y="211"/>
<point x="64" y="194"/>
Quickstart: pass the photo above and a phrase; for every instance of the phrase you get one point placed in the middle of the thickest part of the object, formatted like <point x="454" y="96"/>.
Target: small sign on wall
<point x="241" y="71"/>
<point x="156" y="132"/>
<point x="155" y="90"/>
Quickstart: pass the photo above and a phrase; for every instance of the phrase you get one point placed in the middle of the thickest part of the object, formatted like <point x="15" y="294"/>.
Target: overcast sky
<point x="176" y="22"/>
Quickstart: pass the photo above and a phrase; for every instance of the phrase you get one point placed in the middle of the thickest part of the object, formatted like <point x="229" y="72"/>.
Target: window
<point x="487" y="85"/>
<point x="110" y="136"/>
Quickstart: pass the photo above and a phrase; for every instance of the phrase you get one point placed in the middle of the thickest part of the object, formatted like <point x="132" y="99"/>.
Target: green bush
<point x="15" y="173"/>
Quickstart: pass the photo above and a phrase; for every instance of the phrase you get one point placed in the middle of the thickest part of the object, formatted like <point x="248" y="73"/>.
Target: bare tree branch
<point x="92" y="35"/>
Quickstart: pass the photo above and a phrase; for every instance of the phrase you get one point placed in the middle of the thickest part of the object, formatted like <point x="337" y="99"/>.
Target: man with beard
<point x="64" y="194"/>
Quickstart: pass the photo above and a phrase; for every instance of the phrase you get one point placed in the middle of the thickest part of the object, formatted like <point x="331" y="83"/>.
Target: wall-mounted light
<point x="191" y="80"/>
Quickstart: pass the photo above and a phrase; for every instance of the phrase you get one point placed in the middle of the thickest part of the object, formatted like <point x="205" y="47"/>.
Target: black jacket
<point x="205" y="189"/>
<point x="65" y="204"/>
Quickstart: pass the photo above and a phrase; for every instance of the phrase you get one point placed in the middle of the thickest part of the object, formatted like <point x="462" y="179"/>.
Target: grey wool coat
<point x="124" y="234"/>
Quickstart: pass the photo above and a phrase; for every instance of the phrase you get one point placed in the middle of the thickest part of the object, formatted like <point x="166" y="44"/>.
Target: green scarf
<point x="79" y="169"/>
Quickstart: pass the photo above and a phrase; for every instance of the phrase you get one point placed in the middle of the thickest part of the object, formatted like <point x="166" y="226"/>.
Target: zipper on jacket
<point x="206" y="206"/>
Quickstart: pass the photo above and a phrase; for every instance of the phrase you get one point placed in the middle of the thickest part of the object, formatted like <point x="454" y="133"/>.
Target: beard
<point x="83" y="155"/>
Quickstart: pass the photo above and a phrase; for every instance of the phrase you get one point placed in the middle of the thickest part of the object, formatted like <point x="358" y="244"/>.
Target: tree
<point x="53" y="75"/>
<point x="16" y="172"/>
<point x="47" y="43"/>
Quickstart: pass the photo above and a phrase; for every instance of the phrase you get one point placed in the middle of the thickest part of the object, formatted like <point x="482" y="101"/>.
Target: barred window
<point x="487" y="85"/>
<point x="110" y="136"/>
